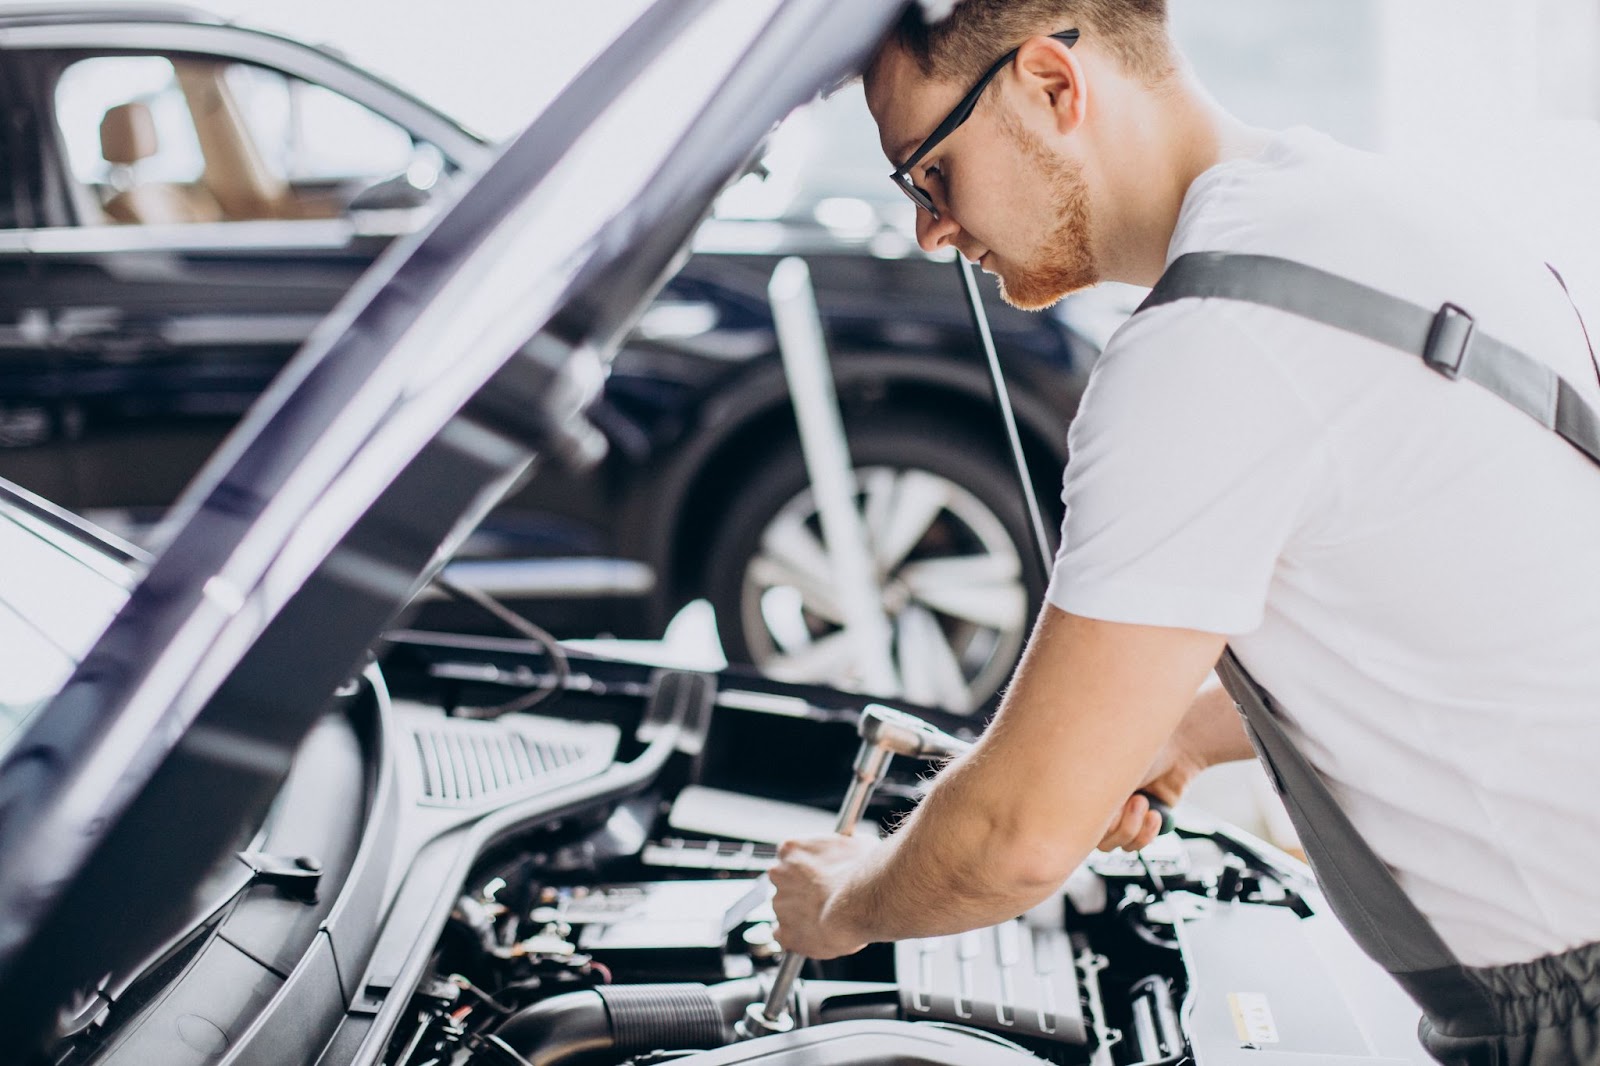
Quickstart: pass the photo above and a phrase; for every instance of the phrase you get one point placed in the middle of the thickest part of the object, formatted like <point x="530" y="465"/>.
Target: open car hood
<point x="469" y="351"/>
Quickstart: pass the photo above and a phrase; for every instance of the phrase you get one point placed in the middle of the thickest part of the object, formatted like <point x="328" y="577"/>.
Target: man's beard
<point x="1068" y="259"/>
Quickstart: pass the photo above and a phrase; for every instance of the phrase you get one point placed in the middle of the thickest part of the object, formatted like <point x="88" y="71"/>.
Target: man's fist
<point x="1135" y="825"/>
<point x="813" y="903"/>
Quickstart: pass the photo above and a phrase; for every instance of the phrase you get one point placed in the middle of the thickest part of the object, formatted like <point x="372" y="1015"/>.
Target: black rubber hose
<point x="663" y="1017"/>
<point x="621" y="1020"/>
<point x="617" y="1021"/>
<point x="560" y="1029"/>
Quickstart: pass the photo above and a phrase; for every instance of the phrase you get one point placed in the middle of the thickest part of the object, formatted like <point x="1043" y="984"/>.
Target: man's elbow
<point x="1028" y="871"/>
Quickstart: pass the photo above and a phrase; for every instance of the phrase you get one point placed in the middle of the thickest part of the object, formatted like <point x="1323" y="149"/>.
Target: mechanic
<point x="1406" y="562"/>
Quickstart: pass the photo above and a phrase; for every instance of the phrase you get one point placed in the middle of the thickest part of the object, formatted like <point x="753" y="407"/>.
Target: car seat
<point x="236" y="174"/>
<point x="128" y="137"/>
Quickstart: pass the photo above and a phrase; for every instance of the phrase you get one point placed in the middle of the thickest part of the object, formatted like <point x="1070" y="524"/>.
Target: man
<point x="1407" y="563"/>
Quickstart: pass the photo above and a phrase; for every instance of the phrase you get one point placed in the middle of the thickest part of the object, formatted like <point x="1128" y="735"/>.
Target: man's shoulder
<point x="1188" y="361"/>
<point x="1362" y="215"/>
<point x="1190" y="333"/>
<point x="1304" y="197"/>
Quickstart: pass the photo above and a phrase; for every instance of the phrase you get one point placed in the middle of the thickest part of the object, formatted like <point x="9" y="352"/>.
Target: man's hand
<point x="813" y="879"/>
<point x="1210" y="733"/>
<point x="1136" y="825"/>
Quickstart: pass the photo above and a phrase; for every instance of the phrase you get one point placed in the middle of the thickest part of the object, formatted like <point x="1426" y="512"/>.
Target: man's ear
<point x="1050" y="74"/>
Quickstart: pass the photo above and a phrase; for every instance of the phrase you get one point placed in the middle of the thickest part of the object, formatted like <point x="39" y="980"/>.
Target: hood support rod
<point x="1002" y="399"/>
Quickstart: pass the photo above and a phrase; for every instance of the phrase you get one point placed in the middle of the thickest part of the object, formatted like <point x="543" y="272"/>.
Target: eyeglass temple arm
<point x="964" y="110"/>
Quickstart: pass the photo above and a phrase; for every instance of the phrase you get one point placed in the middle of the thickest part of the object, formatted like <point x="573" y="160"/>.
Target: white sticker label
<point x="1252" y="1017"/>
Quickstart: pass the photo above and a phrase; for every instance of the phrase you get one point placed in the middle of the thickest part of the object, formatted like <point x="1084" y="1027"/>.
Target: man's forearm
<point x="1003" y="826"/>
<point x="952" y="867"/>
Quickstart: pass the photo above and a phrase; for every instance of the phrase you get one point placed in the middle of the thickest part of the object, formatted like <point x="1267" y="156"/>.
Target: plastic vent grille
<point x="464" y="763"/>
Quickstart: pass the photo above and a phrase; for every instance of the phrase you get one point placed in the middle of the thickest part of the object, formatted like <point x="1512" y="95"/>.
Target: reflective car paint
<point x="412" y="409"/>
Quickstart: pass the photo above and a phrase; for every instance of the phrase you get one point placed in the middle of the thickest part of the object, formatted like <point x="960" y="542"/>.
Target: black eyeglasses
<point x="962" y="112"/>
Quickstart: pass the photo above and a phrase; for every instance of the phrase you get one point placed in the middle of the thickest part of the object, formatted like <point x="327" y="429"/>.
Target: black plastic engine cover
<point x="1012" y="979"/>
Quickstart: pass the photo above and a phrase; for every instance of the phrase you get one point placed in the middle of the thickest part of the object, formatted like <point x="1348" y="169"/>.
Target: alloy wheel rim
<point x="950" y="582"/>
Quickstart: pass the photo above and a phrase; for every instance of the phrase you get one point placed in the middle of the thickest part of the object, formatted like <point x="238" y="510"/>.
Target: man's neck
<point x="1155" y="144"/>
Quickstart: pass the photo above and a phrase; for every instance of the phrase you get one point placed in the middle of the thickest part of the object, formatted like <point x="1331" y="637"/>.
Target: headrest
<point x="128" y="134"/>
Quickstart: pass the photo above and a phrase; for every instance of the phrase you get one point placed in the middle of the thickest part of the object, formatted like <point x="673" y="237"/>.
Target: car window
<point x="159" y="139"/>
<point x="309" y="133"/>
<point x="91" y="88"/>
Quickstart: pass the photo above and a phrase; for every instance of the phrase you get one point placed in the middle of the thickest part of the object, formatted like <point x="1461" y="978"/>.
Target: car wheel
<point x="947" y="531"/>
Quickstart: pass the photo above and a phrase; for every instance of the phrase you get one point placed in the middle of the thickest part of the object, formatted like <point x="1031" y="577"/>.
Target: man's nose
<point x="935" y="233"/>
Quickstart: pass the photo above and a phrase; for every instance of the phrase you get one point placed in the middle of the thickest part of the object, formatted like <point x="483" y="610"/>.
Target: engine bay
<point x="657" y="953"/>
<point x="639" y="931"/>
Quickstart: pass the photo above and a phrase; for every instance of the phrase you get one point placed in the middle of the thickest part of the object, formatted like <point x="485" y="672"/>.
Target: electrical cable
<point x="463" y="983"/>
<point x="512" y="620"/>
<point x="1131" y="912"/>
<point x="1158" y="885"/>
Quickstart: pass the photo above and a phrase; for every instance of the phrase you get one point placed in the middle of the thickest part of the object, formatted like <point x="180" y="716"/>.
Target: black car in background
<point x="229" y="837"/>
<point x="184" y="200"/>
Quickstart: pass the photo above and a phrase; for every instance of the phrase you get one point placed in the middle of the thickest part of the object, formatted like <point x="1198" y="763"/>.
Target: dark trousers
<point x="1545" y="1013"/>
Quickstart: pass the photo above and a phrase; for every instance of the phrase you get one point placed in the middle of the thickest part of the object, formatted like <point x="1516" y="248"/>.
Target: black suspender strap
<point x="1446" y="339"/>
<point x="1360" y="888"/>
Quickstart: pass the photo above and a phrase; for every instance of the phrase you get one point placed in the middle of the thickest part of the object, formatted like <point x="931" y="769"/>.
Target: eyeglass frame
<point x="959" y="114"/>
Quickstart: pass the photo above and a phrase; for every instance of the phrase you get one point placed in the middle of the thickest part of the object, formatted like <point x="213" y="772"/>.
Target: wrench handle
<point x="777" y="1005"/>
<point x="871" y="764"/>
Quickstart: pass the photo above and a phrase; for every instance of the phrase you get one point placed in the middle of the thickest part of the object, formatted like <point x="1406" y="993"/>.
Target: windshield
<point x="57" y="594"/>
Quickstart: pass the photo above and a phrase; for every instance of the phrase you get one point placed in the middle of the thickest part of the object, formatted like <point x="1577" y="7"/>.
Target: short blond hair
<point x="978" y="32"/>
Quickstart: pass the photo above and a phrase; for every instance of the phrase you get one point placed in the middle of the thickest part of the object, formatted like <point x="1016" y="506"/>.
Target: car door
<point x="205" y="210"/>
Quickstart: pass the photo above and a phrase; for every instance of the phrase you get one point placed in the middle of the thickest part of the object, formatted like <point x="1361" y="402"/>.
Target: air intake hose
<point x="616" y="1021"/>
<point x="622" y="1020"/>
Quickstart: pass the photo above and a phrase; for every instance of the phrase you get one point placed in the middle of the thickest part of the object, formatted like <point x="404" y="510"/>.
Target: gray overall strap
<point x="1446" y="339"/>
<point x="1359" y="887"/>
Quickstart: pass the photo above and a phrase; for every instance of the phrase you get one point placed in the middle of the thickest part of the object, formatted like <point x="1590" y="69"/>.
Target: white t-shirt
<point x="1408" y="564"/>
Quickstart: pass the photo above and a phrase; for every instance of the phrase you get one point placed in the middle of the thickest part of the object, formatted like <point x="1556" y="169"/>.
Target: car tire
<point x="948" y="530"/>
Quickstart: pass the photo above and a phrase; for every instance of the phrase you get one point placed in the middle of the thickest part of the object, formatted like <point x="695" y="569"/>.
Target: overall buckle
<point x="1448" y="338"/>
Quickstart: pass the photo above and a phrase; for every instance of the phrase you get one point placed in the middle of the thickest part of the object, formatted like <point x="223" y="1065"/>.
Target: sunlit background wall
<point x="1501" y="95"/>
<point x="1505" y="94"/>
